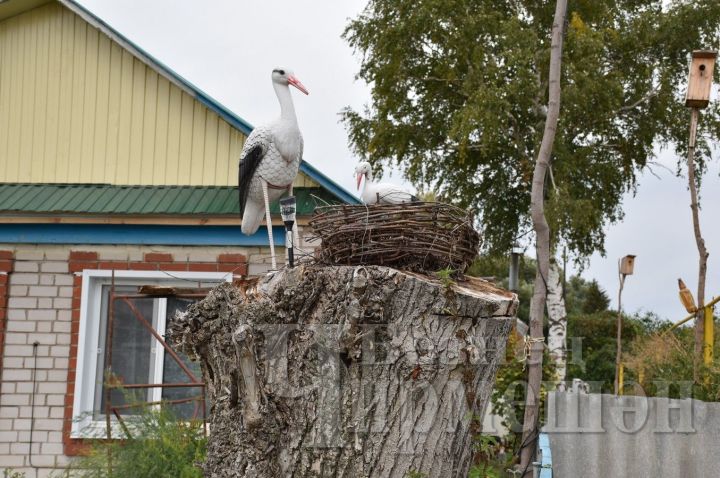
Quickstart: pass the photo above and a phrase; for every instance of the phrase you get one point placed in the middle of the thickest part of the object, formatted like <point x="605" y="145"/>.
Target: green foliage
<point x="591" y="355"/>
<point x="458" y="95"/>
<point x="162" y="447"/>
<point x="661" y="363"/>
<point x="445" y="276"/>
<point x="591" y="332"/>
<point x="595" y="300"/>
<point x="428" y="196"/>
<point x="663" y="358"/>
<point x="415" y="474"/>
<point x="10" y="473"/>
<point x="598" y="344"/>
<point x="484" y="471"/>
<point x="508" y="395"/>
<point x="491" y="460"/>
<point x="583" y="297"/>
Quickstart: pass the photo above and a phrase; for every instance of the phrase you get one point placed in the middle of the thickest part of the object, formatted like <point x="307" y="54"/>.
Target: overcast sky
<point x="229" y="47"/>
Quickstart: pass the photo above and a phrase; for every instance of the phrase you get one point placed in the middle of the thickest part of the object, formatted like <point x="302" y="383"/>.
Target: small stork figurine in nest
<point x="270" y="160"/>
<point x="380" y="193"/>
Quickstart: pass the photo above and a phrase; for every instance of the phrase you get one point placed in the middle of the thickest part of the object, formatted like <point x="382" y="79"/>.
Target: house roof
<point x="224" y="112"/>
<point x="235" y="121"/>
<point x="106" y="199"/>
<point x="9" y="8"/>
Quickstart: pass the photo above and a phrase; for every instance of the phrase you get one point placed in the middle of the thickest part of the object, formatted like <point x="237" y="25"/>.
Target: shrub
<point x="491" y="459"/>
<point x="161" y="446"/>
<point x="662" y="364"/>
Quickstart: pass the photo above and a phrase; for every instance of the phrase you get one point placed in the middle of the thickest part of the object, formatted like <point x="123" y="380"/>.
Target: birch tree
<point x="458" y="89"/>
<point x="557" y="318"/>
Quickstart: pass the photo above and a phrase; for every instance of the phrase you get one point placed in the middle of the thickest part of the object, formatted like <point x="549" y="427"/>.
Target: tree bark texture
<point x="542" y="244"/>
<point x="557" y="315"/>
<point x="699" y="241"/>
<point x="346" y="371"/>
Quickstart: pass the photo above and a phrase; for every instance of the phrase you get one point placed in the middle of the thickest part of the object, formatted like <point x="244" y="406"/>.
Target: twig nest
<point x="417" y="236"/>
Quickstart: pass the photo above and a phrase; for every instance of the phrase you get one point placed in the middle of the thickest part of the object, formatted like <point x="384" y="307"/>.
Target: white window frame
<point x="83" y="425"/>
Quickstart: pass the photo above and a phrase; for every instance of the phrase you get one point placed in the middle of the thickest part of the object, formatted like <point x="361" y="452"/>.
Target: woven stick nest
<point x="416" y="236"/>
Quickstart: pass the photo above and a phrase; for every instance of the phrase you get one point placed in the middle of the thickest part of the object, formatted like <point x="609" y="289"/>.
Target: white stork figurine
<point x="270" y="160"/>
<point x="382" y="193"/>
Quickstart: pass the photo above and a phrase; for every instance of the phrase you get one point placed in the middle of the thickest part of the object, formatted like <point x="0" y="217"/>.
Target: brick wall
<point x="38" y="312"/>
<point x="6" y="265"/>
<point x="42" y="285"/>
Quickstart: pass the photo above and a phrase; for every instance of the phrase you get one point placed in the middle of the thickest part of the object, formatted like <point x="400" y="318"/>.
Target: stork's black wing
<point x="248" y="165"/>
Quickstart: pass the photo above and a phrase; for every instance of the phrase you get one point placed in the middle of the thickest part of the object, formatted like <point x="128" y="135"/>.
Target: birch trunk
<point x="542" y="231"/>
<point x="346" y="371"/>
<point x="557" y="316"/>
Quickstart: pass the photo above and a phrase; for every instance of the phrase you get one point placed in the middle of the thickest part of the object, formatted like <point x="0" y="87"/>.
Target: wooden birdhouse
<point x="701" y="76"/>
<point x="627" y="264"/>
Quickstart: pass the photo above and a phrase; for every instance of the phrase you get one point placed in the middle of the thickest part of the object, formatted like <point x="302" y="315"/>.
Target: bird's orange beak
<point x="359" y="179"/>
<point x="296" y="83"/>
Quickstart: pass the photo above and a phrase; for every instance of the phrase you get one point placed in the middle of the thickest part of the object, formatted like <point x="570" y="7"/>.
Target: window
<point x="137" y="357"/>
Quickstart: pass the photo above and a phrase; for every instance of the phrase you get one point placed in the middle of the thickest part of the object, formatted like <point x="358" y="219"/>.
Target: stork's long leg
<point x="268" y="221"/>
<point x="296" y="238"/>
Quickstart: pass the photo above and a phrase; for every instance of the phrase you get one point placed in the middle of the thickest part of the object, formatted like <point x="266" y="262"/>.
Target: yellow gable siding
<point x="75" y="107"/>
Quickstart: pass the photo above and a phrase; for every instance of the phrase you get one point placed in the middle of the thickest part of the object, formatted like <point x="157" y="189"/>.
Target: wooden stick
<point x="700" y="242"/>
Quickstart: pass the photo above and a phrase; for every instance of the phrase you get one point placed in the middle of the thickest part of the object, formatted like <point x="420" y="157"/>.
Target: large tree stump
<point x="346" y="371"/>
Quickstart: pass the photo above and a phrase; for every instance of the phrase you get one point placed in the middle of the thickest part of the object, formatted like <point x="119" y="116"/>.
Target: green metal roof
<point x="101" y="199"/>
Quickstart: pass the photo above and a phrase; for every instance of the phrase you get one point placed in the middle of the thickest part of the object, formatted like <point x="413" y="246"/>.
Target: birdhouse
<point x="700" y="80"/>
<point x="626" y="265"/>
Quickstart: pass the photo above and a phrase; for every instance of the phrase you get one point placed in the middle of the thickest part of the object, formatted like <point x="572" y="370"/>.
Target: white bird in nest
<point x="270" y="160"/>
<point x="380" y="193"/>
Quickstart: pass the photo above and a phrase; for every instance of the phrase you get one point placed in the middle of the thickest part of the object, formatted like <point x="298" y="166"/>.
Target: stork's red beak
<point x="296" y="83"/>
<point x="359" y="179"/>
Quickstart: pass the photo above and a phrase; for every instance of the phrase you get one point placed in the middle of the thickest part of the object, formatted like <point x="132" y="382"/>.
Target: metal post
<point x="288" y="207"/>
<point x="514" y="275"/>
<point x="513" y="280"/>
<point x="289" y="240"/>
<point x="709" y="335"/>
<point x="108" y="369"/>
<point x="626" y="266"/>
<point x="691" y="316"/>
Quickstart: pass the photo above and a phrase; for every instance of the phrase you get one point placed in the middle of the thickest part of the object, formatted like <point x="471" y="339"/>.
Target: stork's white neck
<point x="287" y="109"/>
<point x="368" y="176"/>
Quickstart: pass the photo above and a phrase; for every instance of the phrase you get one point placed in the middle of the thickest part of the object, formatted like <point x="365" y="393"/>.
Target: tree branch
<point x="518" y="139"/>
<point x="650" y="94"/>
<point x="444" y="80"/>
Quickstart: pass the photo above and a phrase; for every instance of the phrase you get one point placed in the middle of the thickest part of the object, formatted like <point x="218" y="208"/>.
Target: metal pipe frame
<point x="109" y="386"/>
<point x="692" y="316"/>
